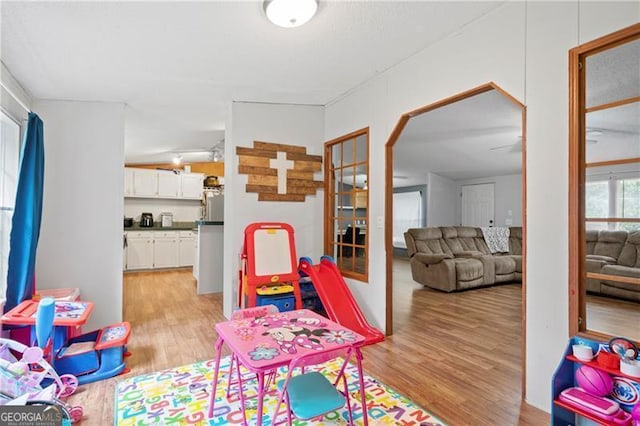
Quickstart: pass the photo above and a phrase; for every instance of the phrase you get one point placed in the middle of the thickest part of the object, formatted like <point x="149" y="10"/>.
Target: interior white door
<point x="478" y="205"/>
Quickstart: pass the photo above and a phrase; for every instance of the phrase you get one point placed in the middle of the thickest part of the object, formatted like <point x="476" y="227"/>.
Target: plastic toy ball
<point x="593" y="381"/>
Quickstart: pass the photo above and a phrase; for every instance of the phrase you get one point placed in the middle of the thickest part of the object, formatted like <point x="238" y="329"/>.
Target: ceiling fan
<point x="511" y="148"/>
<point x="517" y="147"/>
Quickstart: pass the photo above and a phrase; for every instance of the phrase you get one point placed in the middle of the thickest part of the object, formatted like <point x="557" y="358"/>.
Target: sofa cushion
<point x="430" y="259"/>
<point x="505" y="278"/>
<point x="481" y="244"/>
<point x="612" y="236"/>
<point x="518" y="260"/>
<point x="630" y="254"/>
<point x="621" y="271"/>
<point x="432" y="247"/>
<point x="468" y="269"/>
<point x="469" y="253"/>
<point x="463" y="239"/>
<point x="504" y="265"/>
<point x="592" y="239"/>
<point x="602" y="259"/>
<point x="620" y="293"/>
<point x="595" y="265"/>
<point x="431" y="233"/>
<point x="610" y="243"/>
<point x="449" y="231"/>
<point x="515" y="240"/>
<point x="466" y="232"/>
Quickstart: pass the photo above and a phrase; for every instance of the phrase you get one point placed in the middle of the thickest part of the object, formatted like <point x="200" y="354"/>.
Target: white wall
<point x="496" y="48"/>
<point x="492" y="43"/>
<point x="441" y="201"/>
<point x="552" y="29"/>
<point x="81" y="237"/>
<point x="287" y="124"/>
<point x="507" y="197"/>
<point x="183" y="210"/>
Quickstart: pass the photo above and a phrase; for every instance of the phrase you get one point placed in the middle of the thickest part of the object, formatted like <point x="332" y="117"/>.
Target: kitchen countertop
<point x="177" y="226"/>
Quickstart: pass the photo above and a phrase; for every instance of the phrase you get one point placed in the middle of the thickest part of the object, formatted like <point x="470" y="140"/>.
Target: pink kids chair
<point x="311" y="394"/>
<point x="250" y="313"/>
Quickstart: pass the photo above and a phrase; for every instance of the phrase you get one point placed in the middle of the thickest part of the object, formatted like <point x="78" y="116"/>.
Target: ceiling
<point x="480" y="136"/>
<point x="476" y="137"/>
<point x="178" y="65"/>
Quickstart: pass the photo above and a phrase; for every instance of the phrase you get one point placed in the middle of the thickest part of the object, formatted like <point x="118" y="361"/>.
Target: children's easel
<point x="268" y="258"/>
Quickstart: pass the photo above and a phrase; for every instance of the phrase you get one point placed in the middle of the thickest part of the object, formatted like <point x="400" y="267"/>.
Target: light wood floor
<point x="613" y="317"/>
<point x="456" y="355"/>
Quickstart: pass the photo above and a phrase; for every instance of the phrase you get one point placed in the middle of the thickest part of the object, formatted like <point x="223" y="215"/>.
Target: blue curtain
<point x="27" y="215"/>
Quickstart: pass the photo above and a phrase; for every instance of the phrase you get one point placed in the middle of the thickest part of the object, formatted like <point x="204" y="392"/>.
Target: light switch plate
<point x="380" y="222"/>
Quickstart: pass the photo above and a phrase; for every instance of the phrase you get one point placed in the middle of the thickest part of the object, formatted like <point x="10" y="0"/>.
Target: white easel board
<point x="272" y="252"/>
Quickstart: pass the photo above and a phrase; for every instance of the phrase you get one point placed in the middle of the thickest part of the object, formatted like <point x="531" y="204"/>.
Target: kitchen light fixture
<point x="217" y="151"/>
<point x="290" y="13"/>
<point x="177" y="159"/>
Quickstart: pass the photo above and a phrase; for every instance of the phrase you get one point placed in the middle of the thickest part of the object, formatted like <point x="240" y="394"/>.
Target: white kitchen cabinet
<point x="145" y="183"/>
<point x="186" y="248"/>
<point x="165" y="249"/>
<point x="191" y="185"/>
<point x="128" y="182"/>
<point x="168" y="184"/>
<point x="139" y="251"/>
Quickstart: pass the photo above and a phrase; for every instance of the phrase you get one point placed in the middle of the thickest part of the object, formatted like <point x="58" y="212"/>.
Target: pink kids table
<point x="271" y="341"/>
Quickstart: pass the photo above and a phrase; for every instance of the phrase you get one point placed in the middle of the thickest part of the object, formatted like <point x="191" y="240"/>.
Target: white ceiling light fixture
<point x="177" y="159"/>
<point x="290" y="13"/>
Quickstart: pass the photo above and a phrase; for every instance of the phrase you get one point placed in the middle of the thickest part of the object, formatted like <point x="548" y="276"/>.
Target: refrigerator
<point x="214" y="206"/>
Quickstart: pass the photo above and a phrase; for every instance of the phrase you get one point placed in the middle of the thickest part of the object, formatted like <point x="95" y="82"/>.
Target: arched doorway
<point x="517" y="145"/>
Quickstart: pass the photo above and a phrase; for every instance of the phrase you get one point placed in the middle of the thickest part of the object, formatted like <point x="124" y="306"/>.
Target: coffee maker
<point x="146" y="220"/>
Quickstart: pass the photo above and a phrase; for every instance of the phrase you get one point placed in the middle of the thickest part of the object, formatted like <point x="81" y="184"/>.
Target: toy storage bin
<point x="310" y="299"/>
<point x="284" y="302"/>
<point x="626" y="388"/>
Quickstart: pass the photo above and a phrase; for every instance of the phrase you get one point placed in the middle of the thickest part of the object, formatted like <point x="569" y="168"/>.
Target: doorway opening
<point x="470" y="154"/>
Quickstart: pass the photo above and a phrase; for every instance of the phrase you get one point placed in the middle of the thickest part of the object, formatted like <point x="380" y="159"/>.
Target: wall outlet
<point x="380" y="222"/>
<point x="508" y="222"/>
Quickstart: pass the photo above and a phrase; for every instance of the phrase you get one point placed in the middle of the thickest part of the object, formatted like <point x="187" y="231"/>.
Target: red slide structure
<point x="337" y="299"/>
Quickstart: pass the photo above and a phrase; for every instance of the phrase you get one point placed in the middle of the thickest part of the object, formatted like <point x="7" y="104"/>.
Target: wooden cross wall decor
<point x="279" y="172"/>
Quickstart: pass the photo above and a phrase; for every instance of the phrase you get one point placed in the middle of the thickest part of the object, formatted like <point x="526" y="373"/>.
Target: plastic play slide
<point x="337" y="299"/>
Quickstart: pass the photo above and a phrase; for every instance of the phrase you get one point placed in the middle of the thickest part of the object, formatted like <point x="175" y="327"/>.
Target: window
<point x="604" y="184"/>
<point x="347" y="202"/>
<point x="407" y="213"/>
<point x="9" y="159"/>
<point x="614" y="198"/>
<point x="628" y="202"/>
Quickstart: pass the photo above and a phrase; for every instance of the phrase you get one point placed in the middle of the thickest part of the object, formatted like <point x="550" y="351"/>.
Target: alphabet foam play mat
<point x="181" y="396"/>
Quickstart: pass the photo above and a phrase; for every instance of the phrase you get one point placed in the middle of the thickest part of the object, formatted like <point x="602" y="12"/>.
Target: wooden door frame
<point x="577" y="180"/>
<point x="388" y="202"/>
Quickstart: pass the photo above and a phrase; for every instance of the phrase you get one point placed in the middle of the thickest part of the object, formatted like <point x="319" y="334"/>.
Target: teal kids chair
<point x="308" y="395"/>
